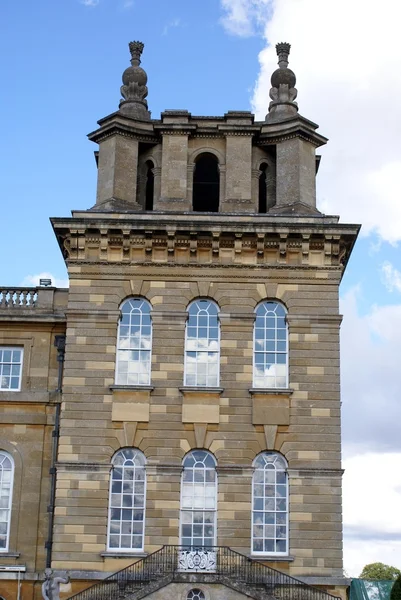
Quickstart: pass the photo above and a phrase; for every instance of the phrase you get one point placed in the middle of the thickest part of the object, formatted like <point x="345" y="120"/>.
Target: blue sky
<point x="61" y="63"/>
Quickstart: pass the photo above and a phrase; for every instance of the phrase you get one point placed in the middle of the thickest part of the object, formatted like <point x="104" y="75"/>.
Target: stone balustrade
<point x="19" y="302"/>
<point x="16" y="297"/>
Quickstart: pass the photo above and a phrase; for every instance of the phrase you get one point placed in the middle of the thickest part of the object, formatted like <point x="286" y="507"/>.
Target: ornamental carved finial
<point x="136" y="49"/>
<point x="134" y="89"/>
<point x="283" y="51"/>
<point x="283" y="91"/>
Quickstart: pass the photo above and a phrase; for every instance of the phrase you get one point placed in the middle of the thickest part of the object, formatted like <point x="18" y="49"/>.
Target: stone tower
<point x="202" y="354"/>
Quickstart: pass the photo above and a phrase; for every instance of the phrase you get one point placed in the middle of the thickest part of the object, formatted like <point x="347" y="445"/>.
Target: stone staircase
<point x="219" y="564"/>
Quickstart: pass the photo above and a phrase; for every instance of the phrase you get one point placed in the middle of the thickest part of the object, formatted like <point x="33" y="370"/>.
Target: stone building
<point x="175" y="415"/>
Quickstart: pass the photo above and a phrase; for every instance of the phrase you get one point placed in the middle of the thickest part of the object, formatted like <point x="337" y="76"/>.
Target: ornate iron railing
<point x="213" y="565"/>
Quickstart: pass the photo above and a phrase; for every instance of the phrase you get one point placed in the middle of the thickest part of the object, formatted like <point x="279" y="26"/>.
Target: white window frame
<point x="198" y="509"/>
<point x="275" y="512"/>
<point x="136" y="348"/>
<point x="199" y="351"/>
<point x="192" y="593"/>
<point x="11" y="364"/>
<point x="275" y="352"/>
<point x="120" y="548"/>
<point x="3" y="456"/>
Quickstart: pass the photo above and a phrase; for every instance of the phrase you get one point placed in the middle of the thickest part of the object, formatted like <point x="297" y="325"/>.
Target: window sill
<point x="272" y="391"/>
<point x="271" y="558"/>
<point x="193" y="389"/>
<point x="121" y="554"/>
<point x="139" y="388"/>
<point x="9" y="554"/>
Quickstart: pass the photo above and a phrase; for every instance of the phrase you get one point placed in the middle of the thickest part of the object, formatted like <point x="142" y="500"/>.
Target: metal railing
<point x="218" y="564"/>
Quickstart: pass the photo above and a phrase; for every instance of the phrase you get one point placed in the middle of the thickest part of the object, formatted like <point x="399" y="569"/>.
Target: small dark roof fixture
<point x="45" y="282"/>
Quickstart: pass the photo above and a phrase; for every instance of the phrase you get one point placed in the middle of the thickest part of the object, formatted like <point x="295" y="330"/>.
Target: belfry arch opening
<point x="206" y="184"/>
<point x="150" y="185"/>
<point x="267" y="188"/>
<point x="262" y="208"/>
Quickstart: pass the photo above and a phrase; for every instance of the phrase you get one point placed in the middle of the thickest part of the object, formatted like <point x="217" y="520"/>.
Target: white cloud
<point x="244" y="17"/>
<point x="391" y="277"/>
<point x="349" y="81"/>
<point x="372" y="515"/>
<point x="91" y="3"/>
<point x="346" y="57"/>
<point x="370" y="365"/>
<point x="176" y="22"/>
<point x="33" y="280"/>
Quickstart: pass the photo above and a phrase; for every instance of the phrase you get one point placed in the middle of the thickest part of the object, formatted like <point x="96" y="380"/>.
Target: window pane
<point x="134" y="343"/>
<point x="269" y="516"/>
<point x="6" y="480"/>
<point x="198" y="499"/>
<point x="10" y="368"/>
<point x="270" y="346"/>
<point x="127" y="476"/>
<point x="202" y="345"/>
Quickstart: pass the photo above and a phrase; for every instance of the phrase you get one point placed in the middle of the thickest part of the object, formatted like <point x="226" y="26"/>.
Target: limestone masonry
<point x="184" y="392"/>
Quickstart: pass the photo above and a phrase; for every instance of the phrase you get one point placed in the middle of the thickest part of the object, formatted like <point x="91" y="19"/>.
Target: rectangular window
<point x="10" y="368"/>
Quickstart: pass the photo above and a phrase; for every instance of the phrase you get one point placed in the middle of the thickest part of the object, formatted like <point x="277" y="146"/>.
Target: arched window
<point x="127" y="502"/>
<point x="150" y="185"/>
<point x="198" y="500"/>
<point x="202" y="344"/>
<point x="6" y="493"/>
<point x="270" y="350"/>
<point x="195" y="594"/>
<point x="206" y="183"/>
<point x="134" y="344"/>
<point x="270" y="504"/>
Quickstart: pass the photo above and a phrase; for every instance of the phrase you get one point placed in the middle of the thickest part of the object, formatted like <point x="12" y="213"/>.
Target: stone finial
<point x="136" y="49"/>
<point x="283" y="91"/>
<point x="134" y="89"/>
<point x="283" y="51"/>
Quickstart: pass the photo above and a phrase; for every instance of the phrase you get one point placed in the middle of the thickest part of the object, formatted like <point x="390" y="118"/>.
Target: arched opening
<point x="270" y="504"/>
<point x="6" y="494"/>
<point x="263" y="188"/>
<point x="127" y="501"/>
<point x="198" y="500"/>
<point x="202" y="344"/>
<point x="150" y="185"/>
<point x="134" y="343"/>
<point x="270" y="346"/>
<point x="267" y="188"/>
<point x="206" y="184"/>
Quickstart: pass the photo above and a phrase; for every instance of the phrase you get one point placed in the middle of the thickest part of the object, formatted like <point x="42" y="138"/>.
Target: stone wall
<point x="90" y="434"/>
<point x="27" y="422"/>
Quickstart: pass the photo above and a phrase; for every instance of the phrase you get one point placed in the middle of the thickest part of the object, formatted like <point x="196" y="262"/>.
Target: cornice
<point x="139" y="220"/>
<point x="175" y="128"/>
<point x="203" y="271"/>
<point x="124" y="129"/>
<point x="267" y="140"/>
<point x="234" y="246"/>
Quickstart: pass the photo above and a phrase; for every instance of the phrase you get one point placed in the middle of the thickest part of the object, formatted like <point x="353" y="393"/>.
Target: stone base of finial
<point x="116" y="205"/>
<point x="295" y="209"/>
<point x="280" y="111"/>
<point x="134" y="109"/>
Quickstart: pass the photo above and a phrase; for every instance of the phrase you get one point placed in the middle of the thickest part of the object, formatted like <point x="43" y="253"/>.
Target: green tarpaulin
<point x="365" y="589"/>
